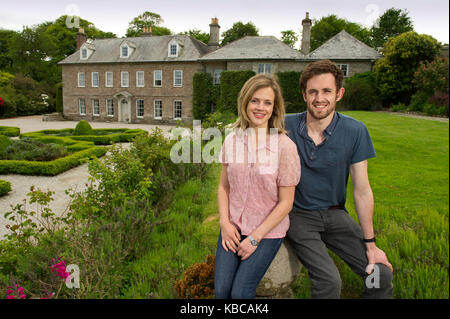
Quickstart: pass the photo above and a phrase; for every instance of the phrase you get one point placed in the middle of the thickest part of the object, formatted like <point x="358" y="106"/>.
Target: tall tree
<point x="239" y="30"/>
<point x="289" y="37"/>
<point x="147" y="19"/>
<point x="391" y="23"/>
<point x="325" y="28"/>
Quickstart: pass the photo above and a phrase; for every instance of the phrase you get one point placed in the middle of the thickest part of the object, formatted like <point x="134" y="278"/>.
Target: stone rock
<point x="283" y="271"/>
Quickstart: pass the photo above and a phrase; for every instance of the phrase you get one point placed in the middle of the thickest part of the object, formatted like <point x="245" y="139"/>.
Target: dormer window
<point x="173" y="49"/>
<point x="124" y="51"/>
<point x="86" y="50"/>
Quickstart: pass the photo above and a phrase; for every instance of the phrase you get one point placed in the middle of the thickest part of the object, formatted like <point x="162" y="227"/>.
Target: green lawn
<point x="410" y="180"/>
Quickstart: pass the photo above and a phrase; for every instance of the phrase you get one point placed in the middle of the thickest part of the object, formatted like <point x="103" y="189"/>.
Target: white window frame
<point x="122" y="84"/>
<point x="175" y="84"/>
<point x="121" y="51"/>
<point x="346" y="71"/>
<point x="106" y="79"/>
<point x="154" y="78"/>
<point x="175" y="110"/>
<point x="169" y="49"/>
<point x="94" y="113"/>
<point x="92" y="80"/>
<point x="107" y="107"/>
<point x="81" y="85"/>
<point x="265" y="66"/>
<point x="137" y="109"/>
<point x="154" y="110"/>
<point x="137" y="79"/>
<point x="82" y="51"/>
<point x="84" y="105"/>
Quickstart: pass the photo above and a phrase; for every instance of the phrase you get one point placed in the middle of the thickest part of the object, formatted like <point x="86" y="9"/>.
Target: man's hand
<point x="376" y="256"/>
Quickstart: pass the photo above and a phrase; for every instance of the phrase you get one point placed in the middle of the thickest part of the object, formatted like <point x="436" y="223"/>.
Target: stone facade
<point x="125" y="98"/>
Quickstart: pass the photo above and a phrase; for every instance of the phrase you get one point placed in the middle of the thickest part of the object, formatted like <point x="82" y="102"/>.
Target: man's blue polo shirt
<point x="325" y="168"/>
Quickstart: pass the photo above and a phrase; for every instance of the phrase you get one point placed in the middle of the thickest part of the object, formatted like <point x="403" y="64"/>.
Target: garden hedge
<point x="290" y="87"/>
<point x="231" y="83"/>
<point x="83" y="146"/>
<point x="53" y="167"/>
<point x="9" y="131"/>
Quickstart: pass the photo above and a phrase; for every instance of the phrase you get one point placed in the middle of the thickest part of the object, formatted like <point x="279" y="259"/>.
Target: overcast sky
<point x="270" y="16"/>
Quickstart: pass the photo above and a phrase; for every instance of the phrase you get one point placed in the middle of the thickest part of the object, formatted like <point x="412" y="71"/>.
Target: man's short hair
<point x="321" y="67"/>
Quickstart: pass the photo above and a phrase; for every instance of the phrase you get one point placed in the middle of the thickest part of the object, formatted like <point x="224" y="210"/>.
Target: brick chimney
<point x="81" y="38"/>
<point x="214" y="28"/>
<point x="306" y="34"/>
<point x="147" y="32"/>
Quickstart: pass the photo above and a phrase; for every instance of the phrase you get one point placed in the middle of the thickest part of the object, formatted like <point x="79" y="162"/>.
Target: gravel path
<point x="75" y="178"/>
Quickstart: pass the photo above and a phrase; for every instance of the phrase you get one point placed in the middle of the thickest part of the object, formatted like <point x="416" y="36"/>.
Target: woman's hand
<point x="245" y="249"/>
<point x="230" y="237"/>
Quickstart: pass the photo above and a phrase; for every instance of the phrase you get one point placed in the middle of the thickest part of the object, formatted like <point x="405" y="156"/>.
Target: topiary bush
<point x="198" y="281"/>
<point x="231" y="83"/>
<point x="83" y="128"/>
<point x="5" y="187"/>
<point x="9" y="131"/>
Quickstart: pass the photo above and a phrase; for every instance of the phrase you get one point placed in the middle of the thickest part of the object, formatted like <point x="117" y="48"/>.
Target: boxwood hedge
<point x="84" y="147"/>
<point x="9" y="130"/>
<point x="5" y="187"/>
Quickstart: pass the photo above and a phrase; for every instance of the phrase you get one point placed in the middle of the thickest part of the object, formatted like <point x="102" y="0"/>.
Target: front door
<point x="125" y="111"/>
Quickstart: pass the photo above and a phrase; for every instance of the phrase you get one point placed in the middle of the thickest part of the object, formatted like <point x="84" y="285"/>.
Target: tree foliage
<point x="327" y="27"/>
<point x="198" y="34"/>
<point x="394" y="73"/>
<point x="239" y="30"/>
<point x="391" y="23"/>
<point x="147" y="19"/>
<point x="289" y="37"/>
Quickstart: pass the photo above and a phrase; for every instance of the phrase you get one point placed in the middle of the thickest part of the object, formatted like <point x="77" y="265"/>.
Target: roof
<point x="254" y="47"/>
<point x="148" y="49"/>
<point x="346" y="47"/>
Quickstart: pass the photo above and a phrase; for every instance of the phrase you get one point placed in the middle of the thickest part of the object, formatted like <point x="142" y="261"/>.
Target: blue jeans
<point x="238" y="279"/>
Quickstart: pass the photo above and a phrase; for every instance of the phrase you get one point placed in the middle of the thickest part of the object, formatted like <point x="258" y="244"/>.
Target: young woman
<point x="260" y="169"/>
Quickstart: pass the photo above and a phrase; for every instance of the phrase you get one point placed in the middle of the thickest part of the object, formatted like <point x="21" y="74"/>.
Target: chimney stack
<point x="214" y="28"/>
<point x="147" y="32"/>
<point x="81" y="38"/>
<point x="306" y="34"/>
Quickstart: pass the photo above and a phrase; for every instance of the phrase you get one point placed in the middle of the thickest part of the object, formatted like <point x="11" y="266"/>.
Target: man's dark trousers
<point x="312" y="232"/>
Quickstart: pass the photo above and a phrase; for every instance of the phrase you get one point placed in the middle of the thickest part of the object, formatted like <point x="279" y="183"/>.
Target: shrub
<point x="219" y="119"/>
<point x="231" y="83"/>
<point x="83" y="128"/>
<point x="198" y="281"/>
<point x="292" y="95"/>
<point x="361" y="92"/>
<point x="418" y="100"/>
<point x="59" y="98"/>
<point x="5" y="187"/>
<point x="440" y="99"/>
<point x="432" y="76"/>
<point x="4" y="143"/>
<point x="9" y="131"/>
<point x="202" y="95"/>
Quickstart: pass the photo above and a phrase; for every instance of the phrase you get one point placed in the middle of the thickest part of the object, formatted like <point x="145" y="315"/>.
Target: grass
<point x="410" y="180"/>
<point x="188" y="238"/>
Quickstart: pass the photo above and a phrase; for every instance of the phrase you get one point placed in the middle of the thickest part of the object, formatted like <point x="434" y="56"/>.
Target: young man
<point x="332" y="146"/>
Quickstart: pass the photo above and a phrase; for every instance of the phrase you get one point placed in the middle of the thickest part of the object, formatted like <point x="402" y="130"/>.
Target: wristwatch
<point x="253" y="241"/>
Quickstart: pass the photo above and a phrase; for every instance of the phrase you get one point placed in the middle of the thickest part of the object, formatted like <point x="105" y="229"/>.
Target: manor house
<point x="149" y="79"/>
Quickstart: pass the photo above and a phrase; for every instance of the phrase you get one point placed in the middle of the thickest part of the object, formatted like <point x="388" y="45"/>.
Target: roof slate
<point x="148" y="49"/>
<point x="254" y="47"/>
<point x="344" y="46"/>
